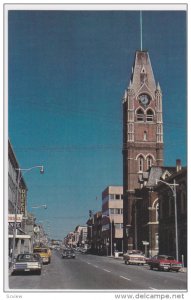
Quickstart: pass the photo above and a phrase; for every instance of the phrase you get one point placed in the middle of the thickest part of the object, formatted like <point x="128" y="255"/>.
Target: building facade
<point x="168" y="219"/>
<point x="142" y="135"/>
<point x="94" y="237"/>
<point x="112" y="217"/>
<point x="17" y="206"/>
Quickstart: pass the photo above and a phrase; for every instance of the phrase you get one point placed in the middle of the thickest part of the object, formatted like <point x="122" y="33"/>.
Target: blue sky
<point x="67" y="75"/>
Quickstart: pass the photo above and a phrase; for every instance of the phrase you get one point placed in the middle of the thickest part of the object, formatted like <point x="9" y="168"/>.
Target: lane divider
<point x="106" y="270"/>
<point x="125" y="278"/>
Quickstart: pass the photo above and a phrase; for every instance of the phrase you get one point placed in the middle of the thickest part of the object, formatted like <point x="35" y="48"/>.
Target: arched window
<point x="140" y="163"/>
<point x="140" y="115"/>
<point x="157" y="212"/>
<point x="149" y="162"/>
<point x="149" y="116"/>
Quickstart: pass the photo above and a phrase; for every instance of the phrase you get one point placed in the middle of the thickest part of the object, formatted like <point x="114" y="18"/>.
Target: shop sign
<point x="22" y="201"/>
<point x="11" y="218"/>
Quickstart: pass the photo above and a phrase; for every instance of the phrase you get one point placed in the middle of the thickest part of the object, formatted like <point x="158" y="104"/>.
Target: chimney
<point x="178" y="165"/>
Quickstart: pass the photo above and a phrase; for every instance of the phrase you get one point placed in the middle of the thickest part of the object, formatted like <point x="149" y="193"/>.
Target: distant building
<point x="80" y="236"/>
<point x="112" y="217"/>
<point x="94" y="236"/>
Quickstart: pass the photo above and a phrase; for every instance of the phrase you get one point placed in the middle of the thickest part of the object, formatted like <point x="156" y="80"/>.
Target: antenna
<point x="141" y="30"/>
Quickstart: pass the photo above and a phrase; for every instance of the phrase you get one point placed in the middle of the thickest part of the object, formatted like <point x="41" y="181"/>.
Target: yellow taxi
<point x="45" y="254"/>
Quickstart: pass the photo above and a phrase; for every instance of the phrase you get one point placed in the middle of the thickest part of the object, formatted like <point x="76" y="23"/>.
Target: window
<point x="149" y="116"/>
<point x="149" y="162"/>
<point x="145" y="136"/>
<point x="117" y="197"/>
<point x="111" y="211"/>
<point x="112" y="197"/>
<point x="157" y="212"/>
<point x="118" y="225"/>
<point x="140" y="164"/>
<point x="140" y="115"/>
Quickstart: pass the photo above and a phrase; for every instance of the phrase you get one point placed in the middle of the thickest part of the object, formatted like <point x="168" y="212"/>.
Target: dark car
<point x="68" y="253"/>
<point x="27" y="262"/>
<point x="164" y="262"/>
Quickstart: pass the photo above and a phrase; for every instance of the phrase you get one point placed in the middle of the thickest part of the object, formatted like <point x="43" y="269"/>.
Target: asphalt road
<point x="90" y="272"/>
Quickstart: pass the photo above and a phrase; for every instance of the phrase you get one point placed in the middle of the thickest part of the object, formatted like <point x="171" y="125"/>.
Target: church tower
<point x="142" y="134"/>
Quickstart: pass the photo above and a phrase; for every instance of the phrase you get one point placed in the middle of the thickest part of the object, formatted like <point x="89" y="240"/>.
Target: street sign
<point x="145" y="243"/>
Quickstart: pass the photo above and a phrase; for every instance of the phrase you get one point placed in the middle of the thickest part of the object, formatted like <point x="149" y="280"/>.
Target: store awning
<point x="20" y="236"/>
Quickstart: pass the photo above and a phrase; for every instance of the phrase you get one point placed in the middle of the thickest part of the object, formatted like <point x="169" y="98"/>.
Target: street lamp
<point x="110" y="221"/>
<point x="39" y="206"/>
<point x="16" y="202"/>
<point x="172" y="186"/>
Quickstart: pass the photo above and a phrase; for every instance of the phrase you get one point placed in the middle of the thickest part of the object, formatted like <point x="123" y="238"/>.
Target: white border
<point x="64" y="6"/>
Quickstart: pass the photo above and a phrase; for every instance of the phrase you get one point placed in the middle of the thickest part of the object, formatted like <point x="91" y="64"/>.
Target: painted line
<point x="106" y="270"/>
<point x="151" y="288"/>
<point x="95" y="266"/>
<point x="125" y="278"/>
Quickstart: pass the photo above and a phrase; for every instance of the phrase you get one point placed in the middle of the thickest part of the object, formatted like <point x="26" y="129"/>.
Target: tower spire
<point x="141" y="30"/>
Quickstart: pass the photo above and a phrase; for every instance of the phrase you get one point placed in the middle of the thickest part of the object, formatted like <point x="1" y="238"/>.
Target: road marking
<point x="125" y="278"/>
<point x="95" y="266"/>
<point x="152" y="288"/>
<point x="106" y="270"/>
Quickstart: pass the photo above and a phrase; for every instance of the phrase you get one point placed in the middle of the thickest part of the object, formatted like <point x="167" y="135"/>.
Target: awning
<point x="20" y="236"/>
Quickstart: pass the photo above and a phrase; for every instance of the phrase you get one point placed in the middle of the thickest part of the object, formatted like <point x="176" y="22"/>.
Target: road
<point x="90" y="272"/>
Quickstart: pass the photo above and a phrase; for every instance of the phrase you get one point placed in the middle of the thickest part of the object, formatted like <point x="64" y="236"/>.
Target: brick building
<point x="142" y="135"/>
<point x="167" y="229"/>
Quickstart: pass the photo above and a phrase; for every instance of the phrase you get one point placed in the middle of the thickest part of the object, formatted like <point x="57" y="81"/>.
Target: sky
<point x="67" y="72"/>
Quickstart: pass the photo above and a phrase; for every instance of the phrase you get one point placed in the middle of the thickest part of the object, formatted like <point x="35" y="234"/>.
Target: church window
<point x="157" y="212"/>
<point x="149" y="162"/>
<point x="140" y="115"/>
<point x="149" y="116"/>
<point x="140" y="164"/>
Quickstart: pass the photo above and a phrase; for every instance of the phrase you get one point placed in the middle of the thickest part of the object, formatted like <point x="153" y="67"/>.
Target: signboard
<point x="22" y="201"/>
<point x="11" y="218"/>
<point x="145" y="243"/>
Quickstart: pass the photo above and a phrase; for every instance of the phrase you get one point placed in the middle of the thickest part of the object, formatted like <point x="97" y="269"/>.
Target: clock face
<point x="144" y="99"/>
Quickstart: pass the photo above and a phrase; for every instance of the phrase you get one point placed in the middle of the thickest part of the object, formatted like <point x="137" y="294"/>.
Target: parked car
<point x="164" y="263"/>
<point x="134" y="257"/>
<point x="68" y="253"/>
<point x="45" y="254"/>
<point x="28" y="262"/>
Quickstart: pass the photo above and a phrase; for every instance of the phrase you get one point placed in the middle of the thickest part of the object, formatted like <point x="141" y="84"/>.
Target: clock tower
<point x="142" y="135"/>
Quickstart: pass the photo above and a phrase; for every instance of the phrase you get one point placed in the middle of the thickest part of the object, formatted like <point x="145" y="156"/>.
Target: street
<point x="90" y="272"/>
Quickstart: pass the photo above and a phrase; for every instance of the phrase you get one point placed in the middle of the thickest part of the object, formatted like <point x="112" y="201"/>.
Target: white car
<point x="135" y="257"/>
<point x="27" y="262"/>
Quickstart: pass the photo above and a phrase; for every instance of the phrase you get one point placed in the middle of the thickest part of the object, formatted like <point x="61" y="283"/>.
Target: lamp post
<point x="111" y="231"/>
<point x="39" y="206"/>
<point x="16" y="202"/>
<point x="172" y="186"/>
